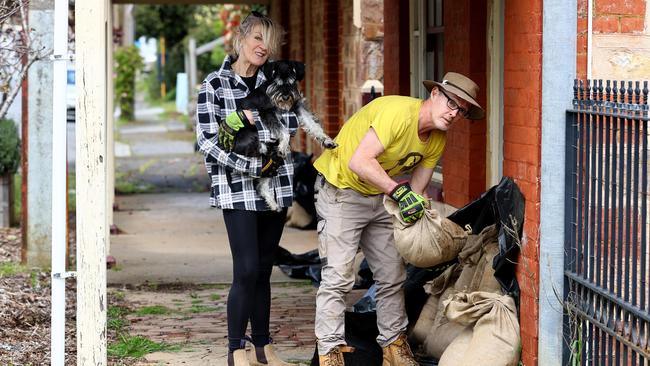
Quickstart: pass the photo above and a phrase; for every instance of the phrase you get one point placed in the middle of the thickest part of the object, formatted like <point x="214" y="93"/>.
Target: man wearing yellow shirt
<point x="391" y="136"/>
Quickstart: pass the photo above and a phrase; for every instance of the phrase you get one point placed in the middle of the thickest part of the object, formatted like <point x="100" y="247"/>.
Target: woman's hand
<point x="234" y="122"/>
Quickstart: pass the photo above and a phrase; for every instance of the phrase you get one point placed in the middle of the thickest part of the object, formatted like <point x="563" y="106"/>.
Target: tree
<point x="19" y="49"/>
<point x="171" y="22"/>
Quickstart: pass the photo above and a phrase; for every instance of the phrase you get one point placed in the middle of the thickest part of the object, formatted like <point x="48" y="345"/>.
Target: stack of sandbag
<point x="474" y="272"/>
<point x="430" y="241"/>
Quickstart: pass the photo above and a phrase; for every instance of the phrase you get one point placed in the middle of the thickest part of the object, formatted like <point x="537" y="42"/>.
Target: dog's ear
<point x="268" y="69"/>
<point x="299" y="68"/>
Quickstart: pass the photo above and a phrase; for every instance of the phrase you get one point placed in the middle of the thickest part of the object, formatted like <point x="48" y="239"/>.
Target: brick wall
<point x="465" y="52"/>
<point x="522" y="148"/>
<point x="609" y="17"/>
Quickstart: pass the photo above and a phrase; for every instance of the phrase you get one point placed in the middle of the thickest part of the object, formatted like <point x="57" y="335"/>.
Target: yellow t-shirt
<point x="395" y="121"/>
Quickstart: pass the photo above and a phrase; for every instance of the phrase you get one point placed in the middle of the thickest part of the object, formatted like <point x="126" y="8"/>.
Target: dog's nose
<point x="285" y="97"/>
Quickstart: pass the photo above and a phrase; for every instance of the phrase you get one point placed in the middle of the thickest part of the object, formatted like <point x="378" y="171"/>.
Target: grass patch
<point x="195" y="309"/>
<point x="138" y="346"/>
<point x="153" y="310"/>
<point x="126" y="187"/>
<point x="11" y="268"/>
<point x="197" y="301"/>
<point x="116" y="319"/>
<point x="215" y="297"/>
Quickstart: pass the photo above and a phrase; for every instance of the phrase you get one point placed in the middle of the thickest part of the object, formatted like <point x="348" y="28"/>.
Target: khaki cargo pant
<point x="349" y="220"/>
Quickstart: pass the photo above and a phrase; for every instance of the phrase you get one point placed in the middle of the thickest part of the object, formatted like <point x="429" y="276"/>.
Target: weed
<point x="10" y="269"/>
<point x="120" y="295"/>
<point x="200" y="309"/>
<point x="33" y="278"/>
<point x="197" y="301"/>
<point x="153" y="310"/>
<point x="138" y="346"/>
<point x="215" y="297"/>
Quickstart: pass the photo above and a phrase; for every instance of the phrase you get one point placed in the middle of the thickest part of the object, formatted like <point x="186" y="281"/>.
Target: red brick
<point x="581" y="66"/>
<point x="582" y="8"/>
<point x="622" y="7"/>
<point x="606" y="24"/>
<point x="632" y="24"/>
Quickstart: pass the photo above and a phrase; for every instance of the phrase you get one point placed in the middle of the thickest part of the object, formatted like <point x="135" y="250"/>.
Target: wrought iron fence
<point x="606" y="246"/>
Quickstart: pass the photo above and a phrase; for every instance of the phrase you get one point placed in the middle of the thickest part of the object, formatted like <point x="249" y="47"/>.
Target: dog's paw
<point x="329" y="144"/>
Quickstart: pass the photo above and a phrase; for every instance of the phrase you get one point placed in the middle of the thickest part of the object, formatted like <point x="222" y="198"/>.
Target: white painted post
<point x="192" y="66"/>
<point x="110" y="133"/>
<point x="92" y="73"/>
<point x="59" y="190"/>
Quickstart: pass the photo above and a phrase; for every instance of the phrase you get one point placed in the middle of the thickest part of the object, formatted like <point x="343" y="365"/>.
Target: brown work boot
<point x="399" y="353"/>
<point x="335" y="356"/>
<point x="266" y="356"/>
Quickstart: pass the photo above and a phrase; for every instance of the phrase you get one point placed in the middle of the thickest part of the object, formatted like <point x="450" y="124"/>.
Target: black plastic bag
<point x="361" y="333"/>
<point x="505" y="206"/>
<point x="304" y="178"/>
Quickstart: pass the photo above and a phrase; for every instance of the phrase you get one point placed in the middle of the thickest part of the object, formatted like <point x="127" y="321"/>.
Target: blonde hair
<point x="272" y="33"/>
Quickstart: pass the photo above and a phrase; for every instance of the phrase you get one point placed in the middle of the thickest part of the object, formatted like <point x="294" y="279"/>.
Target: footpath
<point x="172" y="252"/>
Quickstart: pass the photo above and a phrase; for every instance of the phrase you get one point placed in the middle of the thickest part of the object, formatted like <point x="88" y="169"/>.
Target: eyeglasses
<point x="453" y="105"/>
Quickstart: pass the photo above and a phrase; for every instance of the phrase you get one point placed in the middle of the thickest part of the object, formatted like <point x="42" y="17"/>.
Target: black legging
<point x="254" y="237"/>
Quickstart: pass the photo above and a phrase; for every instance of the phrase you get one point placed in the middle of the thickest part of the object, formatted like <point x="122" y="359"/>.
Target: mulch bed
<point x="25" y="308"/>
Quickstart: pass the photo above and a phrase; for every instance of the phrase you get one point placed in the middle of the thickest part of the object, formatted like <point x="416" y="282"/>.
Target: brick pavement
<point x="197" y="321"/>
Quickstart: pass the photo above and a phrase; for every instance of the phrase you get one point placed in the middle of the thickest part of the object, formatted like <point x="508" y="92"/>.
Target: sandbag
<point x="424" y="324"/>
<point x="427" y="242"/>
<point x="428" y="314"/>
<point x="298" y="217"/>
<point x="488" y="282"/>
<point x="443" y="331"/>
<point x="470" y="259"/>
<point x="495" y="335"/>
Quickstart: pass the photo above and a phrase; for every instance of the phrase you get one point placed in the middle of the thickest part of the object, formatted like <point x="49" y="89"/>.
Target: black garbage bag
<point x="361" y="333"/>
<point x="365" y="276"/>
<point x="304" y="178"/>
<point x="301" y="266"/>
<point x="503" y="205"/>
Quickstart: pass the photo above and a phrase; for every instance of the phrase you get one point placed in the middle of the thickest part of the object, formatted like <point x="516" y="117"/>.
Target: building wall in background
<point x="621" y="39"/>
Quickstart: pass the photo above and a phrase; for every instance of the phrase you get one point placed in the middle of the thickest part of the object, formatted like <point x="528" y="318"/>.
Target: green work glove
<point x="411" y="204"/>
<point x="234" y="122"/>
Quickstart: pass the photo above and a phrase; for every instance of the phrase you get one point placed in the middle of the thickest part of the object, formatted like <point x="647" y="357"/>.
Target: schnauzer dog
<point x="278" y="95"/>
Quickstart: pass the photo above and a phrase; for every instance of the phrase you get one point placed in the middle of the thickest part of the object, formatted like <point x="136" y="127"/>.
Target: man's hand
<point x="270" y="165"/>
<point x="411" y="204"/>
<point x="234" y="122"/>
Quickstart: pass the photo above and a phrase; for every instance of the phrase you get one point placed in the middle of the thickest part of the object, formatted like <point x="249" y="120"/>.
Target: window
<point x="434" y="51"/>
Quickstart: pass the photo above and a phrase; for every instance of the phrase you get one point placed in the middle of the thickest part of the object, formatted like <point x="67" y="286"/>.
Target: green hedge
<point x="127" y="63"/>
<point x="9" y="147"/>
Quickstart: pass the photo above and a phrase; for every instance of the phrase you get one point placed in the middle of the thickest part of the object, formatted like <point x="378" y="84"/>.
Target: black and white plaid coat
<point x="233" y="175"/>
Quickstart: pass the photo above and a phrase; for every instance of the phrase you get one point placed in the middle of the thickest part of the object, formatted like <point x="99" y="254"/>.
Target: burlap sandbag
<point x="495" y="338"/>
<point x="487" y="282"/>
<point x="434" y="288"/>
<point x="443" y="331"/>
<point x="470" y="258"/>
<point x="429" y="241"/>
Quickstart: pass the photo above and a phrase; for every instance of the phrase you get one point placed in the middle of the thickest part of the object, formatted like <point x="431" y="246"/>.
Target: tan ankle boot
<point x="272" y="358"/>
<point x="239" y="358"/>
<point x="335" y="356"/>
<point x="399" y="353"/>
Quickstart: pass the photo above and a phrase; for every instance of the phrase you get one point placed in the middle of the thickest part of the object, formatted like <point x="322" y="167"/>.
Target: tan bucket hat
<point x="461" y="86"/>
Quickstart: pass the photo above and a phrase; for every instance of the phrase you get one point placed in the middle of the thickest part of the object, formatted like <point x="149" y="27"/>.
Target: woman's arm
<point x="207" y="130"/>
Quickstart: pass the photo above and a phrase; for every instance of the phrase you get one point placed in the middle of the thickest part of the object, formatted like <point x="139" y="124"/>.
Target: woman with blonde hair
<point x="254" y="230"/>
